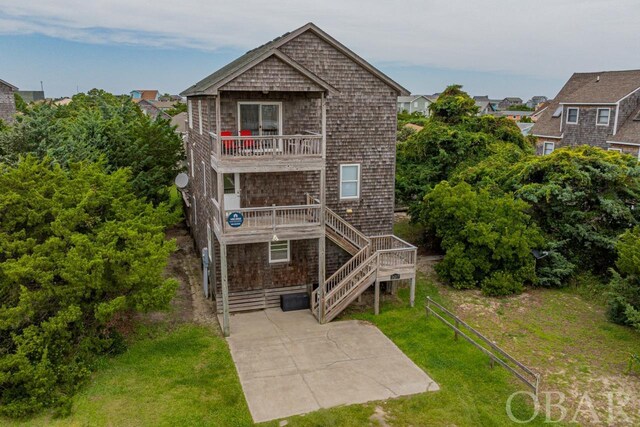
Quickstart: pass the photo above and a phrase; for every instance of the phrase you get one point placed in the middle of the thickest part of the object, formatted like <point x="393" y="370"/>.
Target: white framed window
<point x="204" y="179"/>
<point x="602" y="117"/>
<point x="619" y="150"/>
<point x="548" y="148"/>
<point x="190" y="113"/>
<point x="350" y="181"/>
<point x="572" y="115"/>
<point x="200" y="116"/>
<point x="192" y="166"/>
<point x="415" y="104"/>
<point x="279" y="252"/>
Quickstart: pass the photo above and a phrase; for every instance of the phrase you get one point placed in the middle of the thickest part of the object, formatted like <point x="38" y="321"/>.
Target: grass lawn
<point x="180" y="377"/>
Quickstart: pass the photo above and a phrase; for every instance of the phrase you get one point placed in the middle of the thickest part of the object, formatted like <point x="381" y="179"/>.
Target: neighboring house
<point x="484" y="107"/>
<point x="509" y="102"/>
<point x="536" y="101"/>
<point x="172" y="98"/>
<point x="601" y="109"/>
<point x="30" y="96"/>
<point x="414" y="103"/>
<point x="62" y="101"/>
<point x="7" y="102"/>
<point x="292" y="181"/>
<point x="414" y="127"/>
<point x="514" y="115"/>
<point x="139" y="94"/>
<point x="154" y="108"/>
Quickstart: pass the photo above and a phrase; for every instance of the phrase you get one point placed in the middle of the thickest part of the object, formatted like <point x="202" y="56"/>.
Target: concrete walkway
<point x="289" y="364"/>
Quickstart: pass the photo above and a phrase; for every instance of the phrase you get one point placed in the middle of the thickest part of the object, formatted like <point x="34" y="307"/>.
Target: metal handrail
<point x="533" y="384"/>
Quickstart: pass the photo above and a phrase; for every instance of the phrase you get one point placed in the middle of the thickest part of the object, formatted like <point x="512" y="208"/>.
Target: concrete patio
<point x="289" y="364"/>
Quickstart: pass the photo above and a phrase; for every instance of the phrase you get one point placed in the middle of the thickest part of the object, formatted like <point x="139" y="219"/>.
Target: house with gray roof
<point x="509" y="101"/>
<point x="7" y="101"/>
<point x="601" y="109"/>
<point x="291" y="159"/>
<point x="414" y="103"/>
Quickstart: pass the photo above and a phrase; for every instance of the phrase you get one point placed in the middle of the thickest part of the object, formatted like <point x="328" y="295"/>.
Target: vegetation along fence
<point x="495" y="353"/>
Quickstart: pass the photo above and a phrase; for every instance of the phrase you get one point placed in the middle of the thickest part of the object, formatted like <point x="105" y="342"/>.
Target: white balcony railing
<point x="274" y="218"/>
<point x="261" y="147"/>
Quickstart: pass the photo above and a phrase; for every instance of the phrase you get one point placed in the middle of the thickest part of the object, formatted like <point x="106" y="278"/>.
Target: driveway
<point x="289" y="364"/>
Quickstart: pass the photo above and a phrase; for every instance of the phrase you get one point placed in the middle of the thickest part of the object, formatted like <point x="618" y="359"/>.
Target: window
<point x="619" y="150"/>
<point x="279" y="252"/>
<point x="350" y="181"/>
<point x="548" y="148"/>
<point x="200" y="116"/>
<point x="603" y="116"/>
<point x="204" y="179"/>
<point x="190" y="114"/>
<point x="415" y="104"/>
<point x="572" y="116"/>
<point x="191" y="165"/>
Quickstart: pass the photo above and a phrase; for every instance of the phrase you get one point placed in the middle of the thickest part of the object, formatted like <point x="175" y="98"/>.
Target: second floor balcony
<point x="246" y="152"/>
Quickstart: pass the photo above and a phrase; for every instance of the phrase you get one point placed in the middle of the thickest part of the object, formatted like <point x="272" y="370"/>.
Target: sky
<point x="493" y="47"/>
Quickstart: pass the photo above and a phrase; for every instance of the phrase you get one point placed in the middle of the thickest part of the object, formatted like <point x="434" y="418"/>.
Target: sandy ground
<point x="565" y="338"/>
<point x="189" y="305"/>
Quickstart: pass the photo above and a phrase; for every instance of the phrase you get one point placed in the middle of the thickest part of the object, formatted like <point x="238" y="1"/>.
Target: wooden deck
<point x="273" y="153"/>
<point x="262" y="223"/>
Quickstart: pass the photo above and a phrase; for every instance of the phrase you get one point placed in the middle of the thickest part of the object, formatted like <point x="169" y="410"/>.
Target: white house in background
<point x="414" y="103"/>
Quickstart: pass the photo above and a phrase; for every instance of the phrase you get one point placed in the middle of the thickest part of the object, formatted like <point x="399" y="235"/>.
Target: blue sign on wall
<point x="235" y="219"/>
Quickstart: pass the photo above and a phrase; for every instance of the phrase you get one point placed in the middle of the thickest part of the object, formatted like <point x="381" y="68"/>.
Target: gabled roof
<point x="412" y="98"/>
<point x="253" y="57"/>
<point x="8" y="84"/>
<point x="600" y="87"/>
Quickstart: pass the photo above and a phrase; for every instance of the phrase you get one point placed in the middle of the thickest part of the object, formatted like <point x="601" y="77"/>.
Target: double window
<point x="572" y="115"/>
<point x="603" y="116"/>
<point x="279" y="252"/>
<point x="350" y="181"/>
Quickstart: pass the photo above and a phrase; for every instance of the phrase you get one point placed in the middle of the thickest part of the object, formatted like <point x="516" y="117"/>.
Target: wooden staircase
<point x="369" y="258"/>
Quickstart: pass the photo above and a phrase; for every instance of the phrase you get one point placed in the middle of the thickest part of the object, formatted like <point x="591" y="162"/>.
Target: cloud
<point x="545" y="38"/>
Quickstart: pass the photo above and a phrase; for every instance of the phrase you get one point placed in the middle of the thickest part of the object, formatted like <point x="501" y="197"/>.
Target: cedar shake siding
<point x="361" y="128"/>
<point x="7" y="102"/>
<point x="618" y="91"/>
<point x="321" y="90"/>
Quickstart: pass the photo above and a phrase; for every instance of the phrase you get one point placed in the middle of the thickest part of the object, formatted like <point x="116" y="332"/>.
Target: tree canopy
<point x="99" y="125"/>
<point x="77" y="249"/>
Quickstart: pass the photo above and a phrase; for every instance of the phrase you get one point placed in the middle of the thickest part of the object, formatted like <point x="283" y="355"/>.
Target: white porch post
<point x="321" y="240"/>
<point x="412" y="292"/>
<point x="225" y="289"/>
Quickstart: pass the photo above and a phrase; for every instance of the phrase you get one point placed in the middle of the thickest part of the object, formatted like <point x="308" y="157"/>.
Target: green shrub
<point x="77" y="249"/>
<point x="624" y="292"/>
<point x="483" y="234"/>
<point x="501" y="283"/>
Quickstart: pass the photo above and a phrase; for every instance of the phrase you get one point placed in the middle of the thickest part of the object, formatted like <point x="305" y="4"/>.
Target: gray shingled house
<point x="292" y="180"/>
<point x="7" y="101"/>
<point x="600" y="109"/>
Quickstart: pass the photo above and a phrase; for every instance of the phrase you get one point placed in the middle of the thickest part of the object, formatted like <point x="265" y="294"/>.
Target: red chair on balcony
<point x="227" y="144"/>
<point x="248" y="144"/>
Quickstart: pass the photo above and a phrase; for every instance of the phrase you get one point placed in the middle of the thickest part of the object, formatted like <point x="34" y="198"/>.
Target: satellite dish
<point x="182" y="180"/>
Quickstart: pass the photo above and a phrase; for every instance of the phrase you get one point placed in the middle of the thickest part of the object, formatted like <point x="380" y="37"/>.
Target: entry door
<point x="261" y="118"/>
<point x="231" y="191"/>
